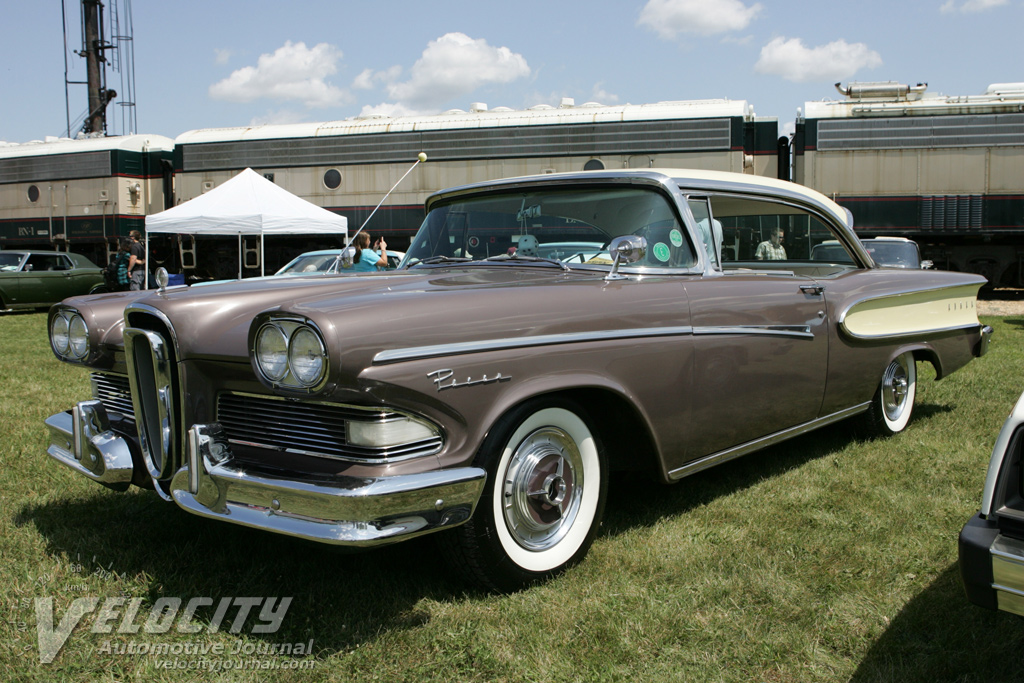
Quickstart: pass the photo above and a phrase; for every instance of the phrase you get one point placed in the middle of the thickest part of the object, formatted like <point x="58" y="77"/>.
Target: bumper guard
<point x="83" y="440"/>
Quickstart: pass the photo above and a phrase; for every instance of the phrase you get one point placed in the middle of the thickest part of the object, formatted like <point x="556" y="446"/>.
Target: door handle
<point x="812" y="289"/>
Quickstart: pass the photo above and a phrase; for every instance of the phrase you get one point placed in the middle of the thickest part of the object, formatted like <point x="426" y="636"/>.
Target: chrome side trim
<point x="421" y="352"/>
<point x="770" y="440"/>
<point x="341" y="510"/>
<point x="798" y="331"/>
<point x="909" y="335"/>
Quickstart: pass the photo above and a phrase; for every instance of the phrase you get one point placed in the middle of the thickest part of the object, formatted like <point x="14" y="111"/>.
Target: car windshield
<point x="900" y="254"/>
<point x="569" y="225"/>
<point x="10" y="260"/>
<point x="308" y="263"/>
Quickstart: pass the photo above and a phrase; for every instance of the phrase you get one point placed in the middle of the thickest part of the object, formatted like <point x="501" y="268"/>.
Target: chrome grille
<point x="309" y="428"/>
<point x="114" y="392"/>
<point x="151" y="355"/>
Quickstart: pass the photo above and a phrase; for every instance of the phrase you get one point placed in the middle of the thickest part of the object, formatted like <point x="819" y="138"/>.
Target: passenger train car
<point x="947" y="172"/>
<point x="943" y="171"/>
<point x="80" y="195"/>
<point x="348" y="166"/>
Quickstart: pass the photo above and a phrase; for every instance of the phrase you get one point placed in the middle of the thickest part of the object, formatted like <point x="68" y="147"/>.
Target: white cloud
<point x="668" y="18"/>
<point x="292" y="72"/>
<point x="389" y="109"/>
<point x="792" y="60"/>
<point x="278" y="117"/>
<point x="453" y="66"/>
<point x="971" y="6"/>
<point x="599" y="94"/>
<point x="368" y="78"/>
<point x="221" y="56"/>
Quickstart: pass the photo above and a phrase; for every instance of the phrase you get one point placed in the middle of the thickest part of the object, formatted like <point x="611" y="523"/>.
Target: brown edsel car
<point x="486" y="389"/>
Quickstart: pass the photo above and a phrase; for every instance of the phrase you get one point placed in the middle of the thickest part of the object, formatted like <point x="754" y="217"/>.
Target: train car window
<point x="332" y="179"/>
<point x="33" y="194"/>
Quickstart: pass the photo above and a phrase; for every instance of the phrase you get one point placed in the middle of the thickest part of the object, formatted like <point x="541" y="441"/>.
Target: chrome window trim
<point x="438" y="350"/>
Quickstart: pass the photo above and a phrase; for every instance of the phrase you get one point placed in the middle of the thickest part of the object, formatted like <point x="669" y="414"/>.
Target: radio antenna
<point x="422" y="156"/>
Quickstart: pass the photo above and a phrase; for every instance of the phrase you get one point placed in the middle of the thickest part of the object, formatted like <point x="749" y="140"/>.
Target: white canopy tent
<point x="247" y="204"/>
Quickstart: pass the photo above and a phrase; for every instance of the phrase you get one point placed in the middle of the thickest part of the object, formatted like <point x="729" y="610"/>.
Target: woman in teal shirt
<point x="367" y="260"/>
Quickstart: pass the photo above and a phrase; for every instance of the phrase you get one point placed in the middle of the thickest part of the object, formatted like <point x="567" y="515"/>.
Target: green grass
<point x="826" y="558"/>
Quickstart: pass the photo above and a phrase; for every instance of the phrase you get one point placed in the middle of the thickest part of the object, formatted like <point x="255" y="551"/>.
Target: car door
<point x="760" y="328"/>
<point x="760" y="356"/>
<point x="44" y="280"/>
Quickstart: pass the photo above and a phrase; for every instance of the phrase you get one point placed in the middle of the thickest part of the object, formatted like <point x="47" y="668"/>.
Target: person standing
<point x="121" y="262"/>
<point x="137" y="261"/>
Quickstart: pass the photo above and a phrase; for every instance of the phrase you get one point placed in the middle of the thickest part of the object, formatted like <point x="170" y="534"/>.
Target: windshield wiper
<point x="531" y="259"/>
<point x="442" y="259"/>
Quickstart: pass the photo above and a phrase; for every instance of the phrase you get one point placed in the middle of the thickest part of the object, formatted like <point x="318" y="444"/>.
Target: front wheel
<point x="893" y="402"/>
<point x="546" y="485"/>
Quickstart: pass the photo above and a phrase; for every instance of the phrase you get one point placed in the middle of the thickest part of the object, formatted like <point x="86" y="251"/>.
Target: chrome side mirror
<point x="625" y="249"/>
<point x="927" y="264"/>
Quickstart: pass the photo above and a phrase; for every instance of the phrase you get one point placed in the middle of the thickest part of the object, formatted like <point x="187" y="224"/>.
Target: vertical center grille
<point x="152" y="376"/>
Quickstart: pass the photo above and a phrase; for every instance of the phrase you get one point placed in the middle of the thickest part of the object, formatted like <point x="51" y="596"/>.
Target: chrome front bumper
<point x="83" y="440"/>
<point x="341" y="510"/>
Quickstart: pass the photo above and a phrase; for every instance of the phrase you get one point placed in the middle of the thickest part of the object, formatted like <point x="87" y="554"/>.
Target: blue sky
<point x="216" y="64"/>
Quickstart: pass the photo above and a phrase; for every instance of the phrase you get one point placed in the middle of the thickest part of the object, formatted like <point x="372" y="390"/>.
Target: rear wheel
<point x="543" y="501"/>
<point x="893" y="402"/>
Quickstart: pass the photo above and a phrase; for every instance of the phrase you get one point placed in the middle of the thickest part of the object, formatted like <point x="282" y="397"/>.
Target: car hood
<point x="364" y="315"/>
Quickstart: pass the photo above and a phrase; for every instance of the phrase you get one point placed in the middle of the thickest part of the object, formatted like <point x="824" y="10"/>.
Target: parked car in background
<point x="992" y="542"/>
<point x="488" y="389"/>
<point x="891" y="252"/>
<point x="34" y="279"/>
<point x="895" y="252"/>
<point x="320" y="261"/>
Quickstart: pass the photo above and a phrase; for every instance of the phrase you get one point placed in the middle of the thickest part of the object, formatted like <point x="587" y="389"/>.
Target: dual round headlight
<point x="290" y="354"/>
<point x="69" y="335"/>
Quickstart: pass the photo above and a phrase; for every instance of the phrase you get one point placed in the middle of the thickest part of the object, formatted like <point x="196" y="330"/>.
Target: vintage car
<point x="892" y="252"/>
<point x="489" y="395"/>
<point x="992" y="542"/>
<point x="322" y="260"/>
<point x="35" y="279"/>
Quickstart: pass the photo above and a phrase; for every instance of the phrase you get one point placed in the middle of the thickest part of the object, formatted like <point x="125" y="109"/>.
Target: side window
<point x="762" y="231"/>
<point x="40" y="262"/>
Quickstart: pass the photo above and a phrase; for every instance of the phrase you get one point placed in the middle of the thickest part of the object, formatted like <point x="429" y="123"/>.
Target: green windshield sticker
<point x="661" y="252"/>
<point x="676" y="238"/>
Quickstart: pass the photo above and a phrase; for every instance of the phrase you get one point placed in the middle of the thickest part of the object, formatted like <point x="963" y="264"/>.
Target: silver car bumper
<point x="341" y="510"/>
<point x="83" y="440"/>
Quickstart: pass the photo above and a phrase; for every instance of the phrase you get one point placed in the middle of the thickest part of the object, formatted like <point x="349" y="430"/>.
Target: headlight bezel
<point x="292" y="377"/>
<point x="69" y="335"/>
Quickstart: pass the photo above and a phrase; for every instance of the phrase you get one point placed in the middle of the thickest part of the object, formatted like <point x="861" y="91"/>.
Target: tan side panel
<point x="913" y="313"/>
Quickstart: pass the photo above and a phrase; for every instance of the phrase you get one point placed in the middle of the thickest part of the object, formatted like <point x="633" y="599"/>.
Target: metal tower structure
<point x="117" y="53"/>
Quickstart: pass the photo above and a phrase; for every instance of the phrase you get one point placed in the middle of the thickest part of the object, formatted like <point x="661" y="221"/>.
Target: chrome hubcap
<point x="542" y="488"/>
<point x="895" y="386"/>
